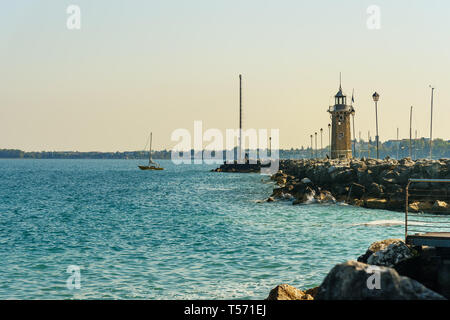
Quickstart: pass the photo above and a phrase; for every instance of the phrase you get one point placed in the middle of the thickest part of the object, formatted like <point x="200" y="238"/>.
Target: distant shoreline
<point x="420" y="150"/>
<point x="126" y="155"/>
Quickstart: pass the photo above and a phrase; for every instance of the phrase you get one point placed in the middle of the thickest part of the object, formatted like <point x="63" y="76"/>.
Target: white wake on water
<point x="385" y="223"/>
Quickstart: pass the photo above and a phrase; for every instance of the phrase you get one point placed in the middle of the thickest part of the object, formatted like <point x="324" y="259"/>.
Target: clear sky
<point x="142" y="65"/>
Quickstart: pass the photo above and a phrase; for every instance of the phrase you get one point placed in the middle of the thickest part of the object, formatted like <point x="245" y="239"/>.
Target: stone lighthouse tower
<point x="341" y="142"/>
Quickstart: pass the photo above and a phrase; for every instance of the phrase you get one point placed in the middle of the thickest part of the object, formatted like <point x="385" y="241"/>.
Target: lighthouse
<point x="340" y="113"/>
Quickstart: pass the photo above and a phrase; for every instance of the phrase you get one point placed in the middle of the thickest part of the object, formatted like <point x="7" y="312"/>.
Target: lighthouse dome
<point x="340" y="97"/>
<point x="340" y="93"/>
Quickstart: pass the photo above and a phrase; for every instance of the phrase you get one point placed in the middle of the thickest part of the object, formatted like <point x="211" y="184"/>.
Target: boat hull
<point x="150" y="168"/>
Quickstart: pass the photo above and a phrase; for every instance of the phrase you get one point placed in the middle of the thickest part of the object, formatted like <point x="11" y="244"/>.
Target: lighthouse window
<point x="340" y="135"/>
<point x="341" y="118"/>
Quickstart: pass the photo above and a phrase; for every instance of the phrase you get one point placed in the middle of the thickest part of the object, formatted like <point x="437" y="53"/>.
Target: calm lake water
<point x="181" y="233"/>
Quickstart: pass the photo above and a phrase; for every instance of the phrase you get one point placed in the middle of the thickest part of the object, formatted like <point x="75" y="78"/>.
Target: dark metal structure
<point x="427" y="213"/>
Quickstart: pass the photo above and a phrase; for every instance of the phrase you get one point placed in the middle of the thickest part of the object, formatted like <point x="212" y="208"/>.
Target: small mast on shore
<point x="240" y="119"/>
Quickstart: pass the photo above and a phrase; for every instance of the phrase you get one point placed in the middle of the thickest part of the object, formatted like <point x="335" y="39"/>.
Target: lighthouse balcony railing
<point x="340" y="107"/>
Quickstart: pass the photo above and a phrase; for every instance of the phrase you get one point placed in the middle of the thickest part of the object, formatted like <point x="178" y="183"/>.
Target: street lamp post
<point x="315" y="133"/>
<point x="376" y="97"/>
<point x="270" y="146"/>
<point x="321" y="142"/>
<point x="431" y="123"/>
<point x="415" y="145"/>
<point x="329" y="139"/>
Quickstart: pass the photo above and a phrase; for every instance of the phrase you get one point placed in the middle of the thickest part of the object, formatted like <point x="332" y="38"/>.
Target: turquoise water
<point x="181" y="233"/>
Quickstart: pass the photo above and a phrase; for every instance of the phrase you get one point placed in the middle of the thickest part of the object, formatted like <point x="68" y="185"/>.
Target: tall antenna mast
<point x="415" y="146"/>
<point x="240" y="117"/>
<point x="410" y="132"/>
<point x="150" y="153"/>
<point x="431" y="123"/>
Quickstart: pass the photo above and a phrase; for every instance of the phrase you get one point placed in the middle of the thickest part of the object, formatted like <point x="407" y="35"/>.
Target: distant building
<point x="341" y="141"/>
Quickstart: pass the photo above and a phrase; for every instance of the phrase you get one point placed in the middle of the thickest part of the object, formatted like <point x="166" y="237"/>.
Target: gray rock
<point x="357" y="190"/>
<point x="365" y="177"/>
<point x="306" y="180"/>
<point x="287" y="292"/>
<point x="375" y="189"/>
<point x="377" y="246"/>
<point x="392" y="255"/>
<point x="358" y="281"/>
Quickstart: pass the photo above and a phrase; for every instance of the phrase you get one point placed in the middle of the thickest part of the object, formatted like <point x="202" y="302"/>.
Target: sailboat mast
<point x="240" y="119"/>
<point x="150" y="154"/>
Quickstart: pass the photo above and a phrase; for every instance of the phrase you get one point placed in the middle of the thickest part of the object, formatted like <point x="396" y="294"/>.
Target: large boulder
<point x="307" y="197"/>
<point x="392" y="255"/>
<point x="325" y="197"/>
<point x="377" y="246"/>
<point x="420" y="206"/>
<point x="343" y="176"/>
<point x="373" y="203"/>
<point x="357" y="190"/>
<point x="364" y="177"/>
<point x="404" y="175"/>
<point x="375" y="190"/>
<point x="287" y="292"/>
<point x="440" y="206"/>
<point x="358" y="281"/>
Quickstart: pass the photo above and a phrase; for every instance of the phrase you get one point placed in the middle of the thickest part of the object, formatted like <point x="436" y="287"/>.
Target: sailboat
<point x="152" y="165"/>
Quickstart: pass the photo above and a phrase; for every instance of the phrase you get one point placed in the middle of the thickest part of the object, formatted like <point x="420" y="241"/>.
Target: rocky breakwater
<point x="389" y="270"/>
<point x="371" y="183"/>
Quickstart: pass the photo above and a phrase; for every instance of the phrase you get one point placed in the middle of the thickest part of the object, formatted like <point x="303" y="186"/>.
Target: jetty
<point x="370" y="183"/>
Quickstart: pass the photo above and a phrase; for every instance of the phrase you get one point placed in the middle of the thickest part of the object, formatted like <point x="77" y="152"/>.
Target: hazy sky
<point x="137" y="66"/>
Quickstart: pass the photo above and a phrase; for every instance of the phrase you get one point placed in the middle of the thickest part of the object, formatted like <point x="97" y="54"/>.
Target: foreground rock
<point x="391" y="256"/>
<point x="354" y="280"/>
<point x="377" y="246"/>
<point x="405" y="273"/>
<point x="287" y="292"/>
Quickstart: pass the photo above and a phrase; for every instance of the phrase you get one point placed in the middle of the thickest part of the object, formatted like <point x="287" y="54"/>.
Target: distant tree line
<point x="19" y="154"/>
<point x="420" y="148"/>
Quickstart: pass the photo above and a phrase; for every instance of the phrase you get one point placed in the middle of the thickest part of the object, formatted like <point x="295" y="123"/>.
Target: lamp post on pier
<point x="315" y="133"/>
<point x="270" y="146"/>
<point x="321" y="142"/>
<point x="376" y="97"/>
<point x="329" y="139"/>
